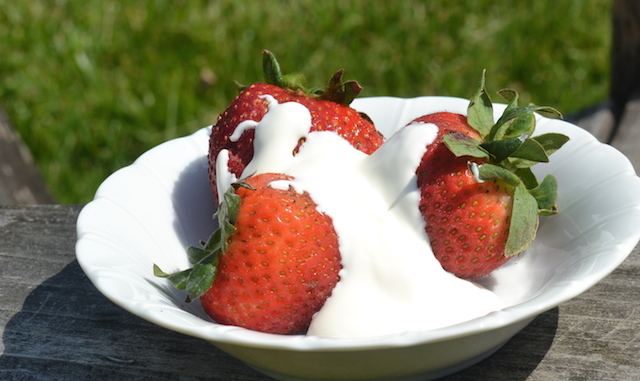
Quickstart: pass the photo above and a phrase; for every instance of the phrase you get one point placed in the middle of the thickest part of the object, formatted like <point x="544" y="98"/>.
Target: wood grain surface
<point x="55" y="325"/>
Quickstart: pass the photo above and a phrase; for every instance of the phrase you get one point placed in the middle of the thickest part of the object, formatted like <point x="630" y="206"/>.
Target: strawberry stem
<point x="335" y="90"/>
<point x="506" y="152"/>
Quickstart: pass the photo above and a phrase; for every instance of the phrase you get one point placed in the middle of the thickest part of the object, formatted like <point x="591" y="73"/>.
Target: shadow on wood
<point x="67" y="330"/>
<point x="75" y="333"/>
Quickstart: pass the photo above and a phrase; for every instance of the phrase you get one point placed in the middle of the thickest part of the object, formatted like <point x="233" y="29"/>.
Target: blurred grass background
<point x="90" y="85"/>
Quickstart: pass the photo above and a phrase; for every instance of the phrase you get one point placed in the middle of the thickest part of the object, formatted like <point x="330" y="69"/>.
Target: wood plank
<point x="56" y="326"/>
<point x="66" y="326"/>
<point x="591" y="337"/>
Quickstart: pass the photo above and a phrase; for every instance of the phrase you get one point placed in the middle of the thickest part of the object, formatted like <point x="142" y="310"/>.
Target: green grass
<point x="90" y="85"/>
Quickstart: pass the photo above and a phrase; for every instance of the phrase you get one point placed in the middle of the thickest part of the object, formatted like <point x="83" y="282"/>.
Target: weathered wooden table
<point x="56" y="326"/>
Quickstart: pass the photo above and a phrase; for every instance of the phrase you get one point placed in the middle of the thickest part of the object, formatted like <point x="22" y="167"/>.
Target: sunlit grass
<point x="90" y="85"/>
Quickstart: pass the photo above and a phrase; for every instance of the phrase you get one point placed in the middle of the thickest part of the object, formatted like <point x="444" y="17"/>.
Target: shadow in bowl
<point x="193" y="203"/>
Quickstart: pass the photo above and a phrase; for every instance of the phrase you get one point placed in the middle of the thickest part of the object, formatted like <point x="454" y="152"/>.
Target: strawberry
<point x="329" y="110"/>
<point x="479" y="197"/>
<point x="271" y="265"/>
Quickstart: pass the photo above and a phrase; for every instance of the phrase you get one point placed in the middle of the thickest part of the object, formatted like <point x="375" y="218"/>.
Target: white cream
<point x="390" y="281"/>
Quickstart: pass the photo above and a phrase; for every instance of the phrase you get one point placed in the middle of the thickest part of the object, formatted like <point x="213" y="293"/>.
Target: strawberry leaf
<point x="522" y="117"/>
<point x="524" y="221"/>
<point x="551" y="142"/>
<point x="271" y="68"/>
<point x="495" y="172"/>
<point x="502" y="149"/>
<point x="545" y="195"/>
<point x="517" y="163"/>
<point x="531" y="150"/>
<point x="464" y="145"/>
<point x="480" y="109"/>
<point x="294" y="81"/>
<point x="227" y="215"/>
<point x="335" y="90"/>
<point x="549" y="111"/>
<point x="214" y="243"/>
<point x="201" y="276"/>
<point x="519" y="125"/>
<point x="511" y="96"/>
<point x="178" y="279"/>
<point x="339" y="92"/>
<point x="527" y="177"/>
<point x="273" y="74"/>
<point x="504" y="126"/>
<point x="352" y="90"/>
<point x="523" y="125"/>
<point x="196" y="254"/>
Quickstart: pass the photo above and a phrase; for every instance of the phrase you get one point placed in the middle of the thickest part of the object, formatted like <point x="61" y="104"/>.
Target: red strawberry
<point x="467" y="221"/>
<point x="277" y="265"/>
<point x="329" y="110"/>
<point x="479" y="198"/>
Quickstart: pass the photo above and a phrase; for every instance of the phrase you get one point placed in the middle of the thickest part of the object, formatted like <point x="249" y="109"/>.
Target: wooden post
<point x="625" y="79"/>
<point x="625" y="60"/>
<point x="20" y="181"/>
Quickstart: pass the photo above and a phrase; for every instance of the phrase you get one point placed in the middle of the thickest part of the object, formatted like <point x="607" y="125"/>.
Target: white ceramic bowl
<point x="150" y="211"/>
